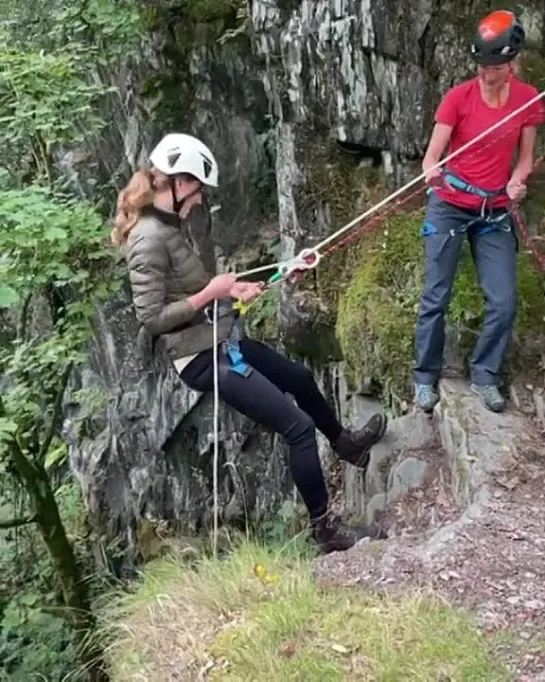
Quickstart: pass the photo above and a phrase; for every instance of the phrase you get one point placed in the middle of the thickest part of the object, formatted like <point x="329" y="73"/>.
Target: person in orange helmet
<point x="470" y="199"/>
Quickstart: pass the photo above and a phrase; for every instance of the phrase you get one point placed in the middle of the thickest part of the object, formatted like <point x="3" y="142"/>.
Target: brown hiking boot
<point x="354" y="447"/>
<point x="331" y="535"/>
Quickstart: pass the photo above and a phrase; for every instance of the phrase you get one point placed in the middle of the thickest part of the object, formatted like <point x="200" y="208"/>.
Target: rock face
<point x="149" y="454"/>
<point x="472" y="532"/>
<point x="323" y="95"/>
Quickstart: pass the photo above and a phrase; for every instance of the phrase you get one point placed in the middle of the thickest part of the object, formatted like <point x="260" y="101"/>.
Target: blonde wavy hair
<point x="131" y="200"/>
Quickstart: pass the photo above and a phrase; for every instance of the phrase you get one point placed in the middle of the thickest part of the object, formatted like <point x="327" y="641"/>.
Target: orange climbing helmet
<point x="499" y="38"/>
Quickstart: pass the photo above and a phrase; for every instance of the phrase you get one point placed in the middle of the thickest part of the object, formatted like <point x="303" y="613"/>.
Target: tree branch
<point x="56" y="416"/>
<point x="17" y="523"/>
<point x="23" y="318"/>
<point x="27" y="471"/>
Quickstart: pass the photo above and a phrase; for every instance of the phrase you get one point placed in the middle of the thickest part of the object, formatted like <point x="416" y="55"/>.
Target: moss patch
<point x="343" y="188"/>
<point x="169" y="94"/>
<point x="378" y="309"/>
<point x="261" y="321"/>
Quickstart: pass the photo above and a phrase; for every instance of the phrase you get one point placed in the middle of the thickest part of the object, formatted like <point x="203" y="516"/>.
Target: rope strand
<point x="216" y="428"/>
<point x="422" y="176"/>
<point x="376" y="207"/>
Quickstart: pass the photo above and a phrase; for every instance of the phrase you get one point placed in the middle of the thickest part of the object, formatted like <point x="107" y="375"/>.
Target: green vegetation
<point x="52" y="266"/>
<point x="171" y="92"/>
<point x="260" y="614"/>
<point x="33" y="637"/>
<point x="212" y="10"/>
<point x="194" y="11"/>
<point x="262" y="317"/>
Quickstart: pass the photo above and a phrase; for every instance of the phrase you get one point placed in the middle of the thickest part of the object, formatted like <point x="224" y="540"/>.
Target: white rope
<point x="215" y="427"/>
<point x="395" y="194"/>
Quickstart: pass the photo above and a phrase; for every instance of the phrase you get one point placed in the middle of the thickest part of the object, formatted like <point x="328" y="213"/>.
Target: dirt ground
<point x="490" y="559"/>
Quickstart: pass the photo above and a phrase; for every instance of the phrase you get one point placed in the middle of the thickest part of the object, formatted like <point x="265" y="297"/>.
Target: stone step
<point x="479" y="444"/>
<point x="463" y="445"/>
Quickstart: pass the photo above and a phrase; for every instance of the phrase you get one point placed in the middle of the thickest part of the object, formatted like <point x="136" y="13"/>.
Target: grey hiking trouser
<point x="493" y="248"/>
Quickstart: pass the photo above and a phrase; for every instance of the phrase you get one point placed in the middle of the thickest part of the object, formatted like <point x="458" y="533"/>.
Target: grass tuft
<point x="261" y="614"/>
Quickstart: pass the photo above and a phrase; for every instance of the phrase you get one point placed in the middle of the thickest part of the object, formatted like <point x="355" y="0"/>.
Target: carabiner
<point x="307" y="259"/>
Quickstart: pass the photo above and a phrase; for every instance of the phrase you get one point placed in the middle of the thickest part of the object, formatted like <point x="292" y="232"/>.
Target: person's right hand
<point x="434" y="178"/>
<point x="247" y="291"/>
<point x="221" y="285"/>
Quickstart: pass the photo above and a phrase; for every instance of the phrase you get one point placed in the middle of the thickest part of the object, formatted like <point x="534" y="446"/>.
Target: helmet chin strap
<point x="177" y="204"/>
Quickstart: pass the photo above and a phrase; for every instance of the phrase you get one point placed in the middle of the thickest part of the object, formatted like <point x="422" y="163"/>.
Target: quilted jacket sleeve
<point x="147" y="263"/>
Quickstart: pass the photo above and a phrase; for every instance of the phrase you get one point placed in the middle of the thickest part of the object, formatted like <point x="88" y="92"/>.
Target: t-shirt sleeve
<point x="448" y="111"/>
<point x="535" y="113"/>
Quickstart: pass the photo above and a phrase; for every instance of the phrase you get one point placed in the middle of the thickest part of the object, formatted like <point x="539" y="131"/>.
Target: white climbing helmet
<point x="179" y="153"/>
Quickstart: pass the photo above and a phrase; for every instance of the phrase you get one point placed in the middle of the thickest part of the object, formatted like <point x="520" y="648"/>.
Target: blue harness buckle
<point x="231" y="349"/>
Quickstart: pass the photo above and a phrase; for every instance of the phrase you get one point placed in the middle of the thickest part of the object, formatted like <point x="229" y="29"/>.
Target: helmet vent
<point x="207" y="165"/>
<point x="173" y="158"/>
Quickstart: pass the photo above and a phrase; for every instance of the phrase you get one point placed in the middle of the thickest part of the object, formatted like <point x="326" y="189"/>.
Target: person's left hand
<point x="516" y="190"/>
<point x="246" y="291"/>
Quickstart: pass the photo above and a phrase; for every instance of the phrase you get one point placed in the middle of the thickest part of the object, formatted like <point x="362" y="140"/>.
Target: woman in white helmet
<point x="173" y="297"/>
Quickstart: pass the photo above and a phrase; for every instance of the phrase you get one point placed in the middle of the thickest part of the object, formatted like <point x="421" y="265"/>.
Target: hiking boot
<point x="354" y="447"/>
<point x="331" y="535"/>
<point x="426" y="397"/>
<point x="490" y="396"/>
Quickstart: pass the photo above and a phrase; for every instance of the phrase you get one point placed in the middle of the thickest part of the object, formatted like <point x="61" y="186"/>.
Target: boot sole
<point x="329" y="547"/>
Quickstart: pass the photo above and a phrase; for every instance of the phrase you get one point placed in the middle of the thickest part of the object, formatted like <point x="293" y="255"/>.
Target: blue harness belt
<point x="486" y="195"/>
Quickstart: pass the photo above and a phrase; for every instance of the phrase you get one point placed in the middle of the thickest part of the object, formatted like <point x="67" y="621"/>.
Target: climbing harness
<point x="486" y="220"/>
<point x="496" y="222"/>
<point x="308" y="258"/>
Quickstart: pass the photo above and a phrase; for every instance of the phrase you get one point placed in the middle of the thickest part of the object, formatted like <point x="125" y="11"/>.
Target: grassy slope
<point x="260" y="615"/>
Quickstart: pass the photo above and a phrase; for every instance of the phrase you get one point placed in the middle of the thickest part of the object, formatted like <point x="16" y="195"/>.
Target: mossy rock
<point x="262" y="323"/>
<point x="344" y="187"/>
<point x="378" y="309"/>
<point x="339" y="181"/>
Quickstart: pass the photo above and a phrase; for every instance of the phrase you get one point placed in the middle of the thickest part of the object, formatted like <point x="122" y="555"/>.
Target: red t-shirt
<point x="487" y="163"/>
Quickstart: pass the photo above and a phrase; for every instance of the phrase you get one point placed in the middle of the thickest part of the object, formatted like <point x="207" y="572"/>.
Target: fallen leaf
<point x="340" y="649"/>
<point x="288" y="649"/>
<point x="261" y="572"/>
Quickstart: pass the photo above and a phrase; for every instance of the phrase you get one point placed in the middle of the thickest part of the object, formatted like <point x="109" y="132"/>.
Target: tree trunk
<point x="76" y="600"/>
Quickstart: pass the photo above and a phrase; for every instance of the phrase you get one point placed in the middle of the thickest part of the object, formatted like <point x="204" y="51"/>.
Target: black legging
<point x="261" y="396"/>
